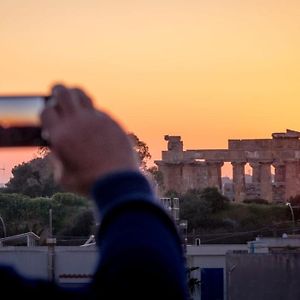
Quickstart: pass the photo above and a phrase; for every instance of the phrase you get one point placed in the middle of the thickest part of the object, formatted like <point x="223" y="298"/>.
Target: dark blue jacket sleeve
<point x="141" y="252"/>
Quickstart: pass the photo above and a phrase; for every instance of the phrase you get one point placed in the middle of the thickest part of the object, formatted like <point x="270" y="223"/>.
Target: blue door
<point x="212" y="284"/>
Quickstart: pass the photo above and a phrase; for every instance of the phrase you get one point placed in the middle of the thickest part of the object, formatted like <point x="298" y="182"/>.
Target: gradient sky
<point x="206" y="70"/>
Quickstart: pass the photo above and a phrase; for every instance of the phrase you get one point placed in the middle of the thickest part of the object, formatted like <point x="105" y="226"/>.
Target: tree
<point x="68" y="207"/>
<point x="142" y="150"/>
<point x="193" y="282"/>
<point x="33" y="178"/>
<point x="70" y="199"/>
<point x="215" y="198"/>
<point x="199" y="207"/>
<point x="295" y="204"/>
<point x="36" y="177"/>
<point x="12" y="210"/>
<point x="36" y="214"/>
<point x="157" y="175"/>
<point x="43" y="151"/>
<point x="82" y="224"/>
<point x="194" y="209"/>
<point x="72" y="214"/>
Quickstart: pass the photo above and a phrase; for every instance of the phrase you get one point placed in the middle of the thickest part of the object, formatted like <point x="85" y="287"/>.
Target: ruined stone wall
<point x="196" y="169"/>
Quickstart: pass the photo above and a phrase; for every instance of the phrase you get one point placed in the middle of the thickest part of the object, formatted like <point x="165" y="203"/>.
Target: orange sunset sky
<point x="206" y="70"/>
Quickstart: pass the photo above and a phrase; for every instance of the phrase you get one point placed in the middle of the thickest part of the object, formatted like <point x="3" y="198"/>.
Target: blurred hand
<point x="85" y="143"/>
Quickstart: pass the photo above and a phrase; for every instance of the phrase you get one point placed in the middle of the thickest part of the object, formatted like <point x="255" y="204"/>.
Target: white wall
<point x="210" y="256"/>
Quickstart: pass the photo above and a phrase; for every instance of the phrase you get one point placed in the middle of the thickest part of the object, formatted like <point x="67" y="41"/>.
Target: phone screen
<point x="21" y="111"/>
<point x="20" y="121"/>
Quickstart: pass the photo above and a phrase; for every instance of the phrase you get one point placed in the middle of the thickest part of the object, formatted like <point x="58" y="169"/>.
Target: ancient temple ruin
<point x="198" y="169"/>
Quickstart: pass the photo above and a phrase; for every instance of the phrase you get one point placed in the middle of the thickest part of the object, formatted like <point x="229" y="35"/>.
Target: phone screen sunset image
<point x="18" y="112"/>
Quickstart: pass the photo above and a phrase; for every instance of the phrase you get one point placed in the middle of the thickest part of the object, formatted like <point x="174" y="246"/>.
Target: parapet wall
<point x="274" y="276"/>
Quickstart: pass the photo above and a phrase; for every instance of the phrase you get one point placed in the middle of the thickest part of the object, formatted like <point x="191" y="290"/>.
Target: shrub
<point x="217" y="201"/>
<point x="256" y="201"/>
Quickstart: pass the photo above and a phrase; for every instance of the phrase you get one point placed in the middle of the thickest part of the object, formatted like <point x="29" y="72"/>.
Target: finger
<point x="49" y="119"/>
<point x="57" y="167"/>
<point x="64" y="103"/>
<point x="82" y="98"/>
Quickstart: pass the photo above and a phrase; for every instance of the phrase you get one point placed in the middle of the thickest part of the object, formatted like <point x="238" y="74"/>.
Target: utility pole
<point x="293" y="216"/>
<point x="183" y="230"/>
<point x="3" y="225"/>
<point x="50" y="223"/>
<point x="51" y="242"/>
<point x="3" y="169"/>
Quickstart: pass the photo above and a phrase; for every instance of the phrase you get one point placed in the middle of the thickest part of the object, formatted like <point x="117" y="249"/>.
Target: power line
<point x="240" y="233"/>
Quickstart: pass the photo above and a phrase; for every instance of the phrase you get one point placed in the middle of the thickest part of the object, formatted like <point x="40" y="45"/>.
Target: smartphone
<point x="20" y="121"/>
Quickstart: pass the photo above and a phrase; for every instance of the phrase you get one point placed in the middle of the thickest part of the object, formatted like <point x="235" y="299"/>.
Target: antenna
<point x="3" y="169"/>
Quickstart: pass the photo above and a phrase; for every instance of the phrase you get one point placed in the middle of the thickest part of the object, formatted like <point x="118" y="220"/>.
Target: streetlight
<point x="3" y="225"/>
<point x="293" y="216"/>
<point x="183" y="230"/>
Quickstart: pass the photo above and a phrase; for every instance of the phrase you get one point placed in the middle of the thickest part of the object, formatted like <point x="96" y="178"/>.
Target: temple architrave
<point x="197" y="169"/>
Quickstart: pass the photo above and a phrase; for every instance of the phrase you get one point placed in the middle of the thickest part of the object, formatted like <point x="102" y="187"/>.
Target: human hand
<point x="85" y="143"/>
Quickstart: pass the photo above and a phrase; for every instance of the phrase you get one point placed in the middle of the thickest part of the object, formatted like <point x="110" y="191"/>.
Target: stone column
<point x="190" y="176"/>
<point x="266" y="190"/>
<point x="238" y="176"/>
<point x="256" y="171"/>
<point x="292" y="177"/>
<point x="279" y="172"/>
<point x="214" y="174"/>
<point x="279" y="182"/>
<point x="256" y="177"/>
<point x="202" y="178"/>
<point x="172" y="176"/>
<point x="194" y="176"/>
